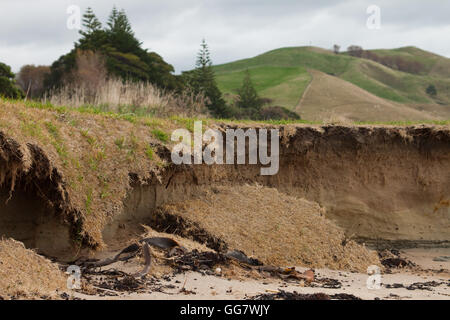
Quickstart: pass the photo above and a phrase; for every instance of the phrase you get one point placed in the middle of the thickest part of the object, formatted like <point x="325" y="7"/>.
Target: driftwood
<point x="148" y="261"/>
<point x="194" y="258"/>
<point x="242" y="257"/>
<point x="132" y="250"/>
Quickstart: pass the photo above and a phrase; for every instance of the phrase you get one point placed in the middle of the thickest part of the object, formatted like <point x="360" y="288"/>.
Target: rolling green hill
<point x="284" y="75"/>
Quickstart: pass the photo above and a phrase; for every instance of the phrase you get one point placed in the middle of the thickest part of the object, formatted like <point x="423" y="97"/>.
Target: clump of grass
<point x="149" y="152"/>
<point x="52" y="129"/>
<point x="119" y="142"/>
<point x="57" y="142"/>
<point x="133" y="146"/>
<point x="89" y="138"/>
<point x="160" y="135"/>
<point x="31" y="128"/>
<point x="187" y="123"/>
<point x="151" y="122"/>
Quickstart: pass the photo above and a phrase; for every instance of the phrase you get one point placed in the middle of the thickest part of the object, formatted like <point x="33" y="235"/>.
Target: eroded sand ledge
<point x="378" y="183"/>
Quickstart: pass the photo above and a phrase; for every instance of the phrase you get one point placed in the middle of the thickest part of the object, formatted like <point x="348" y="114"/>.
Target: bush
<point x="431" y="90"/>
<point x="8" y="88"/>
<point x="278" y="113"/>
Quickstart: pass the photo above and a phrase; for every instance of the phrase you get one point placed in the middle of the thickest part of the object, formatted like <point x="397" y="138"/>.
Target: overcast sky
<point x="35" y="32"/>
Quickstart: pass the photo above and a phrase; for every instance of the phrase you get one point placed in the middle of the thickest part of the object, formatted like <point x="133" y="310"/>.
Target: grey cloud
<point x="35" y="31"/>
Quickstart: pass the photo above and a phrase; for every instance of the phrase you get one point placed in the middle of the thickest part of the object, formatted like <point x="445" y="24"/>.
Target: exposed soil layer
<point x="34" y="206"/>
<point x="385" y="186"/>
<point x="28" y="219"/>
<point x="377" y="182"/>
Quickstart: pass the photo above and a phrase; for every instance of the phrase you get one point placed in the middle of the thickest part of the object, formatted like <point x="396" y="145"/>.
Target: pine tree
<point x="121" y="34"/>
<point x="91" y="23"/>
<point x="112" y="18"/>
<point x="123" y="24"/>
<point x="248" y="97"/>
<point x="203" y="56"/>
<point x="93" y="36"/>
<point x="202" y="80"/>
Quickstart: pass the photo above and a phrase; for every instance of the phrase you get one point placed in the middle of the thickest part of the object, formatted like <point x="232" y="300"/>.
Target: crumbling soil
<point x="275" y="228"/>
<point x="27" y="275"/>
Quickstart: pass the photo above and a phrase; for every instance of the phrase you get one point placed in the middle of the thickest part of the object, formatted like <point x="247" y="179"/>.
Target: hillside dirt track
<point x="333" y="99"/>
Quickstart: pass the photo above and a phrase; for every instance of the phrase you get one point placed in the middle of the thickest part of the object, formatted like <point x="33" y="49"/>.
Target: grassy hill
<point x="284" y="75"/>
<point x="433" y="63"/>
<point x="331" y="98"/>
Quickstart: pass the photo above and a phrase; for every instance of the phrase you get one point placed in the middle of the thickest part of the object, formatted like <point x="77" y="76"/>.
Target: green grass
<point x="283" y="85"/>
<point x="188" y="123"/>
<point x="119" y="142"/>
<point x="292" y="57"/>
<point x="160" y="135"/>
<point x="149" y="152"/>
<point x="281" y="74"/>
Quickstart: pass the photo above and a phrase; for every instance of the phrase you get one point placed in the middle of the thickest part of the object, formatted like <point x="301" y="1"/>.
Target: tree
<point x="8" y="88"/>
<point x="204" y="74"/>
<point x="123" y="54"/>
<point x="93" y="37"/>
<point x="91" y="23"/>
<point x="202" y="81"/>
<point x="248" y="98"/>
<point x="31" y="80"/>
<point x="431" y="90"/>
<point x="336" y="48"/>
<point x="121" y="34"/>
<point x="355" y="51"/>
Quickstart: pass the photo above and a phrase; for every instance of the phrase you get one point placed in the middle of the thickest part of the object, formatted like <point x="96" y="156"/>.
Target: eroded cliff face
<point x="378" y="183"/>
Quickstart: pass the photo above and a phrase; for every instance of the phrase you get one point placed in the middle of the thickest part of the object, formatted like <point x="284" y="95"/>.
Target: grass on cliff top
<point x="176" y="122"/>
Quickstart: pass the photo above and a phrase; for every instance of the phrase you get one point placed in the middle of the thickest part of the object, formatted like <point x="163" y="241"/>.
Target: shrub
<point x="277" y="113"/>
<point x="8" y="87"/>
<point x="431" y="90"/>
